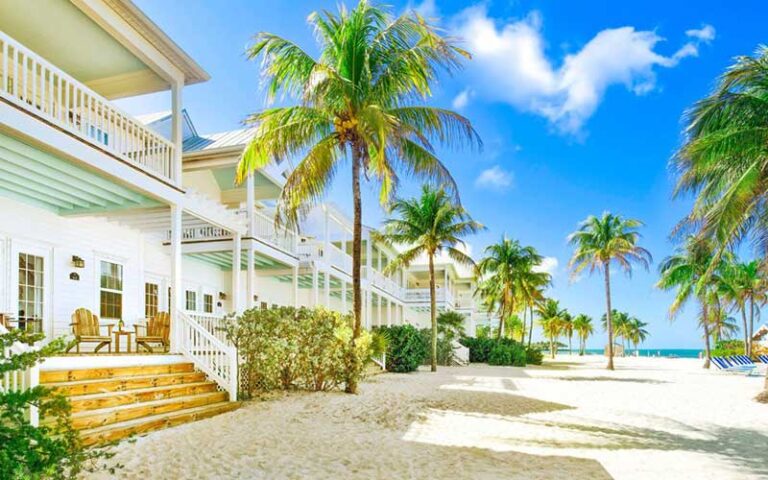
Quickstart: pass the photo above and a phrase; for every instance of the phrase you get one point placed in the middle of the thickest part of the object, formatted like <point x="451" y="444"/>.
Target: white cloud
<point x="706" y="33"/>
<point x="462" y="99"/>
<point x="548" y="265"/>
<point x="427" y="9"/>
<point x="495" y="177"/>
<point x="511" y="65"/>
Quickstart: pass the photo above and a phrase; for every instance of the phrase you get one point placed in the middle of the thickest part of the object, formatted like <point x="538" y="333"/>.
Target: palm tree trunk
<point x="357" y="242"/>
<point x="751" y="323"/>
<point x="522" y="333"/>
<point x="705" y="324"/>
<point x="530" y="332"/>
<point x="607" y="275"/>
<point x="570" y="349"/>
<point x="746" y="332"/>
<point x="433" y="310"/>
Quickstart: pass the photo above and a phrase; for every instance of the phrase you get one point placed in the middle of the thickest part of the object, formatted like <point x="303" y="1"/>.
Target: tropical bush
<point x="444" y="347"/>
<point x="406" y="348"/>
<point x="451" y="324"/>
<point x="287" y="348"/>
<point x="479" y="348"/>
<point x="533" y="356"/>
<point x="52" y="450"/>
<point x="507" y="353"/>
<point x="500" y="351"/>
<point x="726" y="348"/>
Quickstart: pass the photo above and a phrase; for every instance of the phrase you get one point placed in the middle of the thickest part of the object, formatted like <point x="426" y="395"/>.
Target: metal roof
<point x="215" y="141"/>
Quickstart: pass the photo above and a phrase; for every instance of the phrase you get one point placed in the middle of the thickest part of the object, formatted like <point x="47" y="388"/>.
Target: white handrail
<point x="20" y="380"/>
<point x="264" y="228"/>
<point x="36" y="85"/>
<point x="213" y="323"/>
<point x="215" y="358"/>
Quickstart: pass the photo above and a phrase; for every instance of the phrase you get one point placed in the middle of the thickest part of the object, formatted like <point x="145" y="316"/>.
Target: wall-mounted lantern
<point x="78" y="262"/>
<point x="222" y="296"/>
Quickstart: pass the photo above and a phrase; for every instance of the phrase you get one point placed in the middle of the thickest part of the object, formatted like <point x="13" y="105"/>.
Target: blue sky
<point x="579" y="106"/>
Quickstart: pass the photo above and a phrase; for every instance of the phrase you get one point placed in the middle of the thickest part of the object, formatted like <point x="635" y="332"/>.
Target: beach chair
<point x="86" y="329"/>
<point x="725" y="365"/>
<point x="156" y="330"/>
<point x="741" y="360"/>
<point x="763" y="358"/>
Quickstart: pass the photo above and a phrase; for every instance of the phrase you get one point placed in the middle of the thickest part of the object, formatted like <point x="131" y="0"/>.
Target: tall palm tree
<point x="533" y="284"/>
<point x="745" y="285"/>
<point x="551" y="321"/>
<point x="620" y="323"/>
<point x="504" y="271"/>
<point x="428" y="225"/>
<point x="357" y="104"/>
<point x="514" y="326"/>
<point x="567" y="328"/>
<point x="723" y="161"/>
<point x="683" y="272"/>
<point x="583" y="325"/>
<point x="636" y="332"/>
<point x="602" y="241"/>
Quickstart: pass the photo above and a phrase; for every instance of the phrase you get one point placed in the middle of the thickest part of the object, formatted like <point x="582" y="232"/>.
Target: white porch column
<point x="176" y="278"/>
<point x="296" y="286"/>
<point x="250" y="205"/>
<point x="368" y="307"/>
<point x="389" y="313"/>
<point x="236" y="248"/>
<point x="176" y="129"/>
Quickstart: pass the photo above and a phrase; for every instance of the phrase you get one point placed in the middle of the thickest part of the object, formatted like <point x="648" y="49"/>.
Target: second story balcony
<point x="421" y="296"/>
<point x="35" y="85"/>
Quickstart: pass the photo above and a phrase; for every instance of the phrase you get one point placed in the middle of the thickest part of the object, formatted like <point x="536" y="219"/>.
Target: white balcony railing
<point x="421" y="295"/>
<point x="339" y="259"/>
<point x="212" y="323"/>
<point x="37" y="86"/>
<point x="19" y="380"/>
<point x="383" y="282"/>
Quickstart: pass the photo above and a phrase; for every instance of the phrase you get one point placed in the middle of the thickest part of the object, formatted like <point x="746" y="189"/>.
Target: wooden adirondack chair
<point x="86" y="328"/>
<point x="156" y="330"/>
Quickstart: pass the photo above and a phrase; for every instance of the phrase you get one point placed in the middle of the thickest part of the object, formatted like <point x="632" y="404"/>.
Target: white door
<point x="31" y="283"/>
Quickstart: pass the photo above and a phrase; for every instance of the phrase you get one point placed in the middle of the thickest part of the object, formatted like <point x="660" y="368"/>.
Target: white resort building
<point x="129" y="217"/>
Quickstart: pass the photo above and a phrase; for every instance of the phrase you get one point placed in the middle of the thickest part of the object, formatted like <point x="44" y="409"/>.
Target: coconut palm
<point x="428" y="225"/>
<point x="567" y="328"/>
<point x="551" y="320"/>
<point x="636" y="331"/>
<point x="600" y="242"/>
<point x="514" y="327"/>
<point x="745" y="286"/>
<point x="504" y="272"/>
<point x="357" y="107"/>
<point x="683" y="272"/>
<point x="582" y="324"/>
<point x="620" y="321"/>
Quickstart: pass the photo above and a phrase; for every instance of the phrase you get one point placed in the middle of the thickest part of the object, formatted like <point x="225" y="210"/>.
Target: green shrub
<point x="406" y="348"/>
<point x="507" y="352"/>
<point x="479" y="348"/>
<point x="288" y="348"/>
<point x="451" y="324"/>
<point x="52" y="450"/>
<point x="533" y="356"/>
<point x="444" y="347"/>
<point x="726" y="348"/>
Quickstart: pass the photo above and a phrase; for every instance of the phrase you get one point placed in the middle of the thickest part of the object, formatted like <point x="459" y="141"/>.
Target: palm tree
<point x="584" y="328"/>
<point x="636" y="331"/>
<point x="507" y="269"/>
<point x="428" y="225"/>
<point x="601" y="241"/>
<point x="620" y="324"/>
<point x="551" y="321"/>
<point x="533" y="283"/>
<point x="745" y="286"/>
<point x="514" y="326"/>
<point x="357" y="102"/>
<point x="567" y="328"/>
<point x="684" y="271"/>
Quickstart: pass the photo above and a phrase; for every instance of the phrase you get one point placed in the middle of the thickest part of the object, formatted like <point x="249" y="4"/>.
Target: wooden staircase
<point x="109" y="404"/>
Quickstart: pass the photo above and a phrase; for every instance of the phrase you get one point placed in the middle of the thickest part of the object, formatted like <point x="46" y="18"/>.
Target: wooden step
<point x="113" y="399"/>
<point x="55" y="376"/>
<point x="120" y="384"/>
<point x="89" y="419"/>
<point x="117" y="431"/>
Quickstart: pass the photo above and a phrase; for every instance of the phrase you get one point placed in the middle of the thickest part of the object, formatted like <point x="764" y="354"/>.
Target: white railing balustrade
<point x="264" y="229"/>
<point x="380" y="280"/>
<point x="308" y="251"/>
<point x="214" y="357"/>
<point x="213" y="323"/>
<point x="37" y="86"/>
<point x="339" y="259"/>
<point x="204" y="233"/>
<point x="421" y="295"/>
<point x="20" y="380"/>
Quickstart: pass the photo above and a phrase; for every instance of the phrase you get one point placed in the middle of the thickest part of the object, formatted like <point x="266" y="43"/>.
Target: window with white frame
<point x="191" y="300"/>
<point x="111" y="290"/>
<point x="151" y="299"/>
<point x="208" y="303"/>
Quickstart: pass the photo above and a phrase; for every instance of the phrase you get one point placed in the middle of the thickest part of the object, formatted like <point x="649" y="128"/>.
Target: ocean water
<point x="656" y="352"/>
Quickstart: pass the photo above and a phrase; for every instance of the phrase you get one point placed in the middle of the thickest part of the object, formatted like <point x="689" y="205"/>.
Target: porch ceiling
<point x="35" y="177"/>
<point x="223" y="260"/>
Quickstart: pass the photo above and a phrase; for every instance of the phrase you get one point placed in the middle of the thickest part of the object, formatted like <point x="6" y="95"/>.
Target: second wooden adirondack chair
<point x="86" y="328"/>
<point x="157" y="330"/>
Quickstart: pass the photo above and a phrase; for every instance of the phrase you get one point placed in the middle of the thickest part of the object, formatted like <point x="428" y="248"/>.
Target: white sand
<point x="651" y="418"/>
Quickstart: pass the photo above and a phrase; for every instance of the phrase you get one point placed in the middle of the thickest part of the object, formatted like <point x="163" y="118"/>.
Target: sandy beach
<point x="651" y="418"/>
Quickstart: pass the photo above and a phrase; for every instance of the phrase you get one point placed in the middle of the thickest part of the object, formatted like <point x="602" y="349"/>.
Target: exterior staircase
<point x="112" y="403"/>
